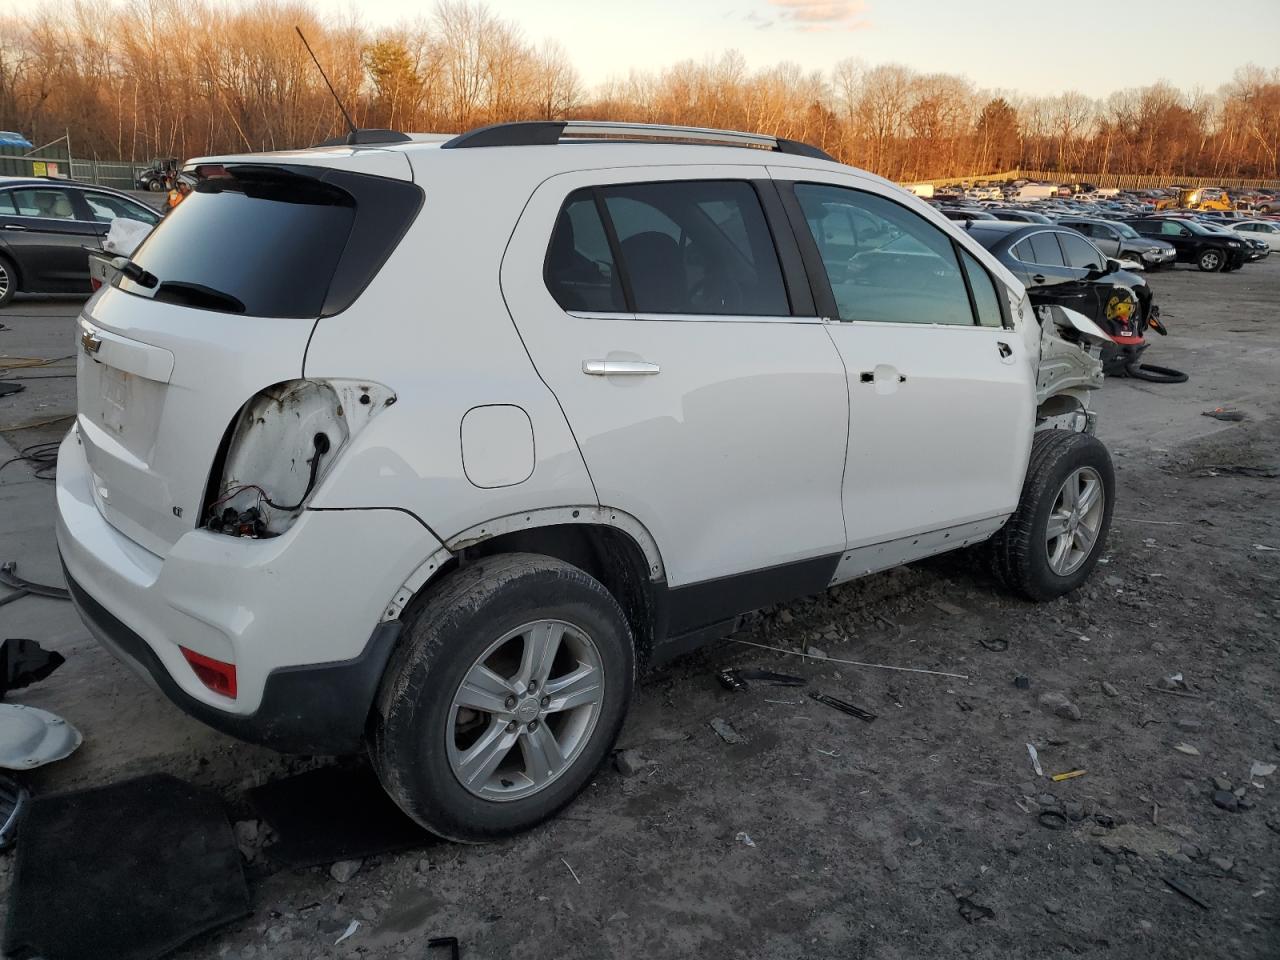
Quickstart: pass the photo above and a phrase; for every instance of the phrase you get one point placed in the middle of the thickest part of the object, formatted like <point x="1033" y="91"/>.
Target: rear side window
<point x="696" y="247"/>
<point x="580" y="271"/>
<point x="6" y="205"/>
<point x="1045" y="250"/>
<point x="275" y="241"/>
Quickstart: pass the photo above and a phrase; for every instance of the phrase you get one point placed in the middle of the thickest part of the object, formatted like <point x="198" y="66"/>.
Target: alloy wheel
<point x="1075" y="521"/>
<point x="525" y="710"/>
<point x="5" y="280"/>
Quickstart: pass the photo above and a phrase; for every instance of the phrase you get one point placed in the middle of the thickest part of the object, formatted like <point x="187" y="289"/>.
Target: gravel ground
<point x="925" y="833"/>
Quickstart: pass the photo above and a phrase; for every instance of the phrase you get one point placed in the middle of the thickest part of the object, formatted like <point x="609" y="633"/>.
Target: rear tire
<point x="8" y="280"/>
<point x="465" y="738"/>
<point x="1026" y="555"/>
<point x="1210" y="261"/>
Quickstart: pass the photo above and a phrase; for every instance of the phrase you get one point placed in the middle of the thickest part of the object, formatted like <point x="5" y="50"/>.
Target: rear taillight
<point x="217" y="676"/>
<point x="95" y="284"/>
<point x="282" y="445"/>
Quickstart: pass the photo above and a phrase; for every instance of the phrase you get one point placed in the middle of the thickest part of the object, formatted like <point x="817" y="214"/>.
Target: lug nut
<point x="511" y="727"/>
<point x="546" y="702"/>
<point x="533" y="686"/>
<point x="533" y="725"/>
<point x="511" y="702"/>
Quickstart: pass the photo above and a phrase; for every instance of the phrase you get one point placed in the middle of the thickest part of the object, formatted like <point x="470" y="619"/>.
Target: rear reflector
<point x="217" y="676"/>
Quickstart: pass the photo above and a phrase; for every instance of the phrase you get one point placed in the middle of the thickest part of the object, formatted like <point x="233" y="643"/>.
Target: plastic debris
<point x="1069" y="775"/>
<point x="726" y="732"/>
<point x="1035" y="760"/>
<point x="1260" y="769"/>
<point x="745" y="838"/>
<point x="352" y="927"/>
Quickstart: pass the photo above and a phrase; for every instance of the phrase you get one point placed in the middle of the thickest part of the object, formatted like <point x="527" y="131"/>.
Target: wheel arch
<point x="610" y="545"/>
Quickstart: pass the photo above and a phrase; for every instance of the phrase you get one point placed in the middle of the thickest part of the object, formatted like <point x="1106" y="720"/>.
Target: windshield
<point x="263" y="243"/>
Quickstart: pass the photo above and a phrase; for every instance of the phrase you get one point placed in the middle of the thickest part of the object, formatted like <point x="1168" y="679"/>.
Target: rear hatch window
<point x="274" y="241"/>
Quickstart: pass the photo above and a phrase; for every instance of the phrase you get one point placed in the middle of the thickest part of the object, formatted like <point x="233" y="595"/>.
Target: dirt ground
<point x="923" y="834"/>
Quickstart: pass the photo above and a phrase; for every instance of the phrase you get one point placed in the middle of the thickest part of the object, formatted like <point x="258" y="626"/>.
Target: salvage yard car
<point x="469" y="430"/>
<point x="1195" y="243"/>
<point x="45" y="227"/>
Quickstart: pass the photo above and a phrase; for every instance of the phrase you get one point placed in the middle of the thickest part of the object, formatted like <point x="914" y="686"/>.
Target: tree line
<point x="135" y="79"/>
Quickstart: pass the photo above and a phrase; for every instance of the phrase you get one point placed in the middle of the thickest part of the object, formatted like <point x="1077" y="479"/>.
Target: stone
<point x="786" y="616"/>
<point x="1222" y="863"/>
<point x="816" y="652"/>
<point x="1074" y="810"/>
<point x="344" y="870"/>
<point x="1190" y="850"/>
<point x="1110" y="689"/>
<point x="1187" y="749"/>
<point x="629" y="762"/>
<point x="891" y="862"/>
<point x="1022" y="682"/>
<point x="1053" y="907"/>
<point x="1060" y="705"/>
<point x="1221" y="783"/>
<point x="1226" y="800"/>
<point x="913" y="837"/>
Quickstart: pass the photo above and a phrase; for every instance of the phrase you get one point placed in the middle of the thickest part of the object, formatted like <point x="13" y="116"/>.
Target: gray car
<point x="1121" y="241"/>
<point x="45" y="226"/>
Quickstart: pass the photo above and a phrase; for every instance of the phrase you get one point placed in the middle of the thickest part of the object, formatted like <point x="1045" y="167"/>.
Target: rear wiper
<point x="137" y="274"/>
<point x="198" y="295"/>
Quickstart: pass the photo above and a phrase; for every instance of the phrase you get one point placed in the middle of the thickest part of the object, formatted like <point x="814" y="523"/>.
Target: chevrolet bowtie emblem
<point x="90" y="342"/>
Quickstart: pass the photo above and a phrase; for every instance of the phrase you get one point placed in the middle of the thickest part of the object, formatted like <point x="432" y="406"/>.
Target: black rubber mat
<point x="124" y="872"/>
<point x="330" y="814"/>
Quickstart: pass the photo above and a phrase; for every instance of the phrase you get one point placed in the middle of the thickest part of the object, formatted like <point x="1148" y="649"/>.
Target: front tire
<point x="507" y="692"/>
<point x="8" y="281"/>
<point x="1210" y="261"/>
<point x="1053" y="540"/>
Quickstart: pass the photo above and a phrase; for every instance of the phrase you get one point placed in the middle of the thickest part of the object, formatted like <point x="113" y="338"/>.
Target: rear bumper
<point x="299" y="615"/>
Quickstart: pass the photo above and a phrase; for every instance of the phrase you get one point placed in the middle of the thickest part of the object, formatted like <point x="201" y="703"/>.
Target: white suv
<point x="427" y="444"/>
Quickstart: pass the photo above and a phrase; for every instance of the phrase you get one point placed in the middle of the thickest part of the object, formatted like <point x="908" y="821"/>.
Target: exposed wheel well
<point x="605" y="553"/>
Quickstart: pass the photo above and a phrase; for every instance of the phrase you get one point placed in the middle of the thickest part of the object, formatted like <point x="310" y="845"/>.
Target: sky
<point x="1023" y="46"/>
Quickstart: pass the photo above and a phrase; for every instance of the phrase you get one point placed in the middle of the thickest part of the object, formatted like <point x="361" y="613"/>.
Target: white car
<point x="1268" y="231"/>
<point x="427" y="445"/>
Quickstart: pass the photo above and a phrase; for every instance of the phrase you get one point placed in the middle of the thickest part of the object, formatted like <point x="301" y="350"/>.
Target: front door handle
<point x="1005" y="351"/>
<point x="1038" y="278"/>
<point x="619" y="368"/>
<point x="14" y="226"/>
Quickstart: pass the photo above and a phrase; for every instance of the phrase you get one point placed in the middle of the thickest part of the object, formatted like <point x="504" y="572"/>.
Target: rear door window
<point x="696" y="247"/>
<point x="44" y="202"/>
<point x="1045" y="250"/>
<point x="1080" y="253"/>
<point x="6" y="205"/>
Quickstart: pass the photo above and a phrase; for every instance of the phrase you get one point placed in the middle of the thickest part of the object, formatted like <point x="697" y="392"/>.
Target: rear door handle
<point x="1005" y="351"/>
<point x="1038" y="278"/>
<point x="619" y="368"/>
<point x="14" y="226"/>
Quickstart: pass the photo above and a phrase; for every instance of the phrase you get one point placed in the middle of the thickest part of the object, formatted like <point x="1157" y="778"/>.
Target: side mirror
<point x="1112" y="266"/>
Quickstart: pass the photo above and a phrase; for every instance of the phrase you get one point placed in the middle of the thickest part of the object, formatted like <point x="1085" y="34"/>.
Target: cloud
<point x="812" y="16"/>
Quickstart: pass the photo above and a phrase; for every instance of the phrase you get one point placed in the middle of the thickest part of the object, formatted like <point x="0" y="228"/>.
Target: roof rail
<point x="365" y="135"/>
<point x="530" y="133"/>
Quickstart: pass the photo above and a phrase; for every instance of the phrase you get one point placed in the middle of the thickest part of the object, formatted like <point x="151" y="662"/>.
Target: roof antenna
<point x="351" y="137"/>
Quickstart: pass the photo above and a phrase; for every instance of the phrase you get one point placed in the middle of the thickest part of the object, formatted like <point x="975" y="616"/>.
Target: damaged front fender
<point x="1070" y="367"/>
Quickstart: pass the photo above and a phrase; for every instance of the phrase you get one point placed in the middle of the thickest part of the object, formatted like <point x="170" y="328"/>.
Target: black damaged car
<point x="1062" y="268"/>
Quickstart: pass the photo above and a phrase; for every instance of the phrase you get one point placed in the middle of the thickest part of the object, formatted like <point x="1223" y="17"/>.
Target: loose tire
<point x="1210" y="261"/>
<point x="507" y="691"/>
<point x="8" y="280"/>
<point x="1053" y="540"/>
